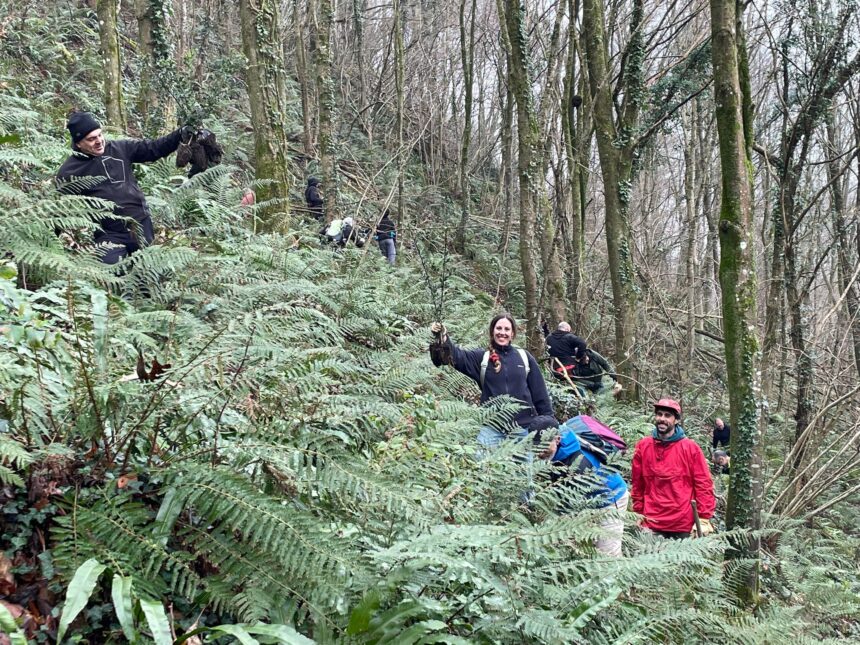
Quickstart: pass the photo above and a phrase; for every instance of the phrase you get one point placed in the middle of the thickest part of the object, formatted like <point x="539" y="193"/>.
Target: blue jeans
<point x="388" y="250"/>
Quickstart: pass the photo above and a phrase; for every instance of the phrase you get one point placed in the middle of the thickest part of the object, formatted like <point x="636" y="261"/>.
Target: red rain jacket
<point x="665" y="477"/>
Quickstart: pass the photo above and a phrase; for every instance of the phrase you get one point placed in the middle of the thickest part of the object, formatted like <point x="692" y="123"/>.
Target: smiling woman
<point x="501" y="369"/>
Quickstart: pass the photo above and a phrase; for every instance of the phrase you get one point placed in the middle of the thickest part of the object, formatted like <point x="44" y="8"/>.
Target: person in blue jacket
<point x="578" y="465"/>
<point x="498" y="369"/>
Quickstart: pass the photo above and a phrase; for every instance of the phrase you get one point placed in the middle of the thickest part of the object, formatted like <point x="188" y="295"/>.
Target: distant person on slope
<point x="722" y="434"/>
<point x="110" y="163"/>
<point x="386" y="233"/>
<point x="589" y="371"/>
<point x="564" y="347"/>
<point x="669" y="470"/>
<point x="499" y="369"/>
<point x="314" y="199"/>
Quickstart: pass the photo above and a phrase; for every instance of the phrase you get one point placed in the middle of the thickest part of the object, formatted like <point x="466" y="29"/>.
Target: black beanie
<point x="81" y="124"/>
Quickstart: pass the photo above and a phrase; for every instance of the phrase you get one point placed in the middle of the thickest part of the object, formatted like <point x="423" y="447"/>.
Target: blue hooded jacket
<point x="614" y="486"/>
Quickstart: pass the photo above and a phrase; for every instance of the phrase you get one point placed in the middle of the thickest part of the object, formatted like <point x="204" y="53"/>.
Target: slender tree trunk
<point x="358" y="7"/>
<point x="399" y="65"/>
<point x="512" y="16"/>
<point x="549" y="215"/>
<point x="840" y="227"/>
<point x="467" y="60"/>
<point x="573" y="236"/>
<point x="147" y="96"/>
<point x="303" y="77"/>
<point x="111" y="63"/>
<point x="261" y="41"/>
<point x="326" y="102"/>
<point x="690" y="224"/>
<point x="738" y="282"/>
<point x="616" y="170"/>
<point x="505" y="176"/>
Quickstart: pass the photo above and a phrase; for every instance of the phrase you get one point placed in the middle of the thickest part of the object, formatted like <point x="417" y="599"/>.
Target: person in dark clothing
<point x="498" y="370"/>
<point x="386" y="233"/>
<point x="314" y="198"/>
<point x="722" y="462"/>
<point x="111" y="162"/>
<point x="564" y="347"/>
<point x="589" y="371"/>
<point x="722" y="434"/>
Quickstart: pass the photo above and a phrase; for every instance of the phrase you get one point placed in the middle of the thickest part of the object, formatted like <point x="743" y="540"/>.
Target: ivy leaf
<point x="78" y="593"/>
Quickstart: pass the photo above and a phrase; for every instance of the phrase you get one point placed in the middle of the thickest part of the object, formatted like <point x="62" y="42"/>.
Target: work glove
<point x="617" y="387"/>
<point x="707" y="528"/>
<point x="187" y="132"/>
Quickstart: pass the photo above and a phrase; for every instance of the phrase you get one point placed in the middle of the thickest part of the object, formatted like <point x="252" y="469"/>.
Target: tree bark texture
<point x="738" y="282"/>
<point x="616" y="167"/>
<point x="513" y="17"/>
<point x="111" y="63"/>
<point x="327" y="106"/>
<point x="467" y="61"/>
<point x="261" y="41"/>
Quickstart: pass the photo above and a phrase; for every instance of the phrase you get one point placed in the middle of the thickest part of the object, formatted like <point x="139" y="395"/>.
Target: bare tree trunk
<point x="690" y="224"/>
<point x="505" y="178"/>
<point x="511" y="16"/>
<point x="112" y="63"/>
<point x="399" y="90"/>
<point x="358" y="7"/>
<point x="261" y="42"/>
<point x="147" y="96"/>
<point x="303" y="77"/>
<point x="737" y="279"/>
<point x="467" y="60"/>
<point x="840" y="227"/>
<point x="326" y="102"/>
<point x="573" y="236"/>
<point x="616" y="170"/>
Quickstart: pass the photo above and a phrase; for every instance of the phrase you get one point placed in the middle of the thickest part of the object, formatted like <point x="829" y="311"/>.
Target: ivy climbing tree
<point x="267" y="93"/>
<point x="738" y="281"/>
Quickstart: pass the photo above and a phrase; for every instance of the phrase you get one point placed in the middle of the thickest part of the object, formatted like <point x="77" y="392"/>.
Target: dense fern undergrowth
<point x="300" y="471"/>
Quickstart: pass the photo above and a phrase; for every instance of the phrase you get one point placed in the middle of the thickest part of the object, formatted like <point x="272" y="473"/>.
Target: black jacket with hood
<point x="313" y="197"/>
<point x="118" y="184"/>
<point x="564" y="346"/>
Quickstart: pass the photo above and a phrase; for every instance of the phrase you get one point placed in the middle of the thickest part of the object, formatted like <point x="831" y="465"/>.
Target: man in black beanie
<point x="110" y="162"/>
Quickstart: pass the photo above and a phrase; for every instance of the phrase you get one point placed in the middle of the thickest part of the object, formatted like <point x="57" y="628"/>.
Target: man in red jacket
<point x="669" y="471"/>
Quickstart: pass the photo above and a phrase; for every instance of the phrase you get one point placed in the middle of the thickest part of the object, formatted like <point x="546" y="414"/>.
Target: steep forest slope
<point x="239" y="437"/>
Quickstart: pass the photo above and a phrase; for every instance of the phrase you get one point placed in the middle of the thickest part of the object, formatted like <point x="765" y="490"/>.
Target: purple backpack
<point x="593" y="433"/>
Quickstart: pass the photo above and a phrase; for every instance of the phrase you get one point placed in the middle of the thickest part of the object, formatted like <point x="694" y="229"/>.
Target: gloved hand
<point x="707" y="528"/>
<point x="617" y="387"/>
